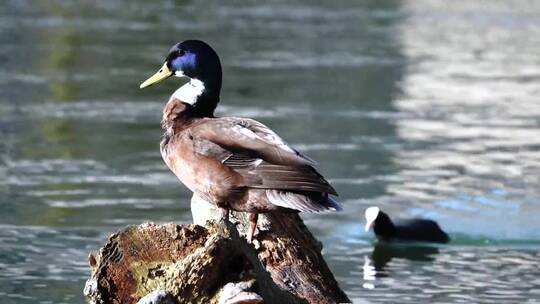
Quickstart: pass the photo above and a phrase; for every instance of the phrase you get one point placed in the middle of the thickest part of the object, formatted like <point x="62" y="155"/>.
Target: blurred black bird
<point x="421" y="230"/>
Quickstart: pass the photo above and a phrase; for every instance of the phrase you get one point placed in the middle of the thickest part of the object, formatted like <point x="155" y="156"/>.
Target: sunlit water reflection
<point x="422" y="108"/>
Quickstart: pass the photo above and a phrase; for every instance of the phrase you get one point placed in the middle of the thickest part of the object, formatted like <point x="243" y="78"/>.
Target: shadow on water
<point x="383" y="253"/>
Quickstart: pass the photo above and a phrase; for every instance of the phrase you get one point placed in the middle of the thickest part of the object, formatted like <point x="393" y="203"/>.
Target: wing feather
<point x="247" y="135"/>
<point x="281" y="177"/>
<point x="260" y="156"/>
<point x="314" y="202"/>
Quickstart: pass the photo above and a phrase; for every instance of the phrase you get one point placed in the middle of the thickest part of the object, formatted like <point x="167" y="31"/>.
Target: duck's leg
<point x="252" y="226"/>
<point x="224" y="214"/>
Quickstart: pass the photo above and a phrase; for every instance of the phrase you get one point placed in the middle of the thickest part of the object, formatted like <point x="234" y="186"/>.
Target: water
<point x="423" y="108"/>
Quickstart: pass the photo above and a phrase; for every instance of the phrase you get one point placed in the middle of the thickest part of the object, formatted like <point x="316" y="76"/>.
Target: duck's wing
<point x="247" y="135"/>
<point x="259" y="155"/>
<point x="261" y="174"/>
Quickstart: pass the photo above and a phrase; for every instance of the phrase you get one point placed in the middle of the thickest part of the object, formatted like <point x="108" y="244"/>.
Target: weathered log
<point x="213" y="263"/>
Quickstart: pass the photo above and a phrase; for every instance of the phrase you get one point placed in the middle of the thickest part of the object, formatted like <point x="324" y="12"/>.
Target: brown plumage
<point x="233" y="161"/>
<point x="236" y="163"/>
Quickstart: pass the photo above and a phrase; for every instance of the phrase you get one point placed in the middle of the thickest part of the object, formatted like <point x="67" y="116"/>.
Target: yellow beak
<point x="163" y="73"/>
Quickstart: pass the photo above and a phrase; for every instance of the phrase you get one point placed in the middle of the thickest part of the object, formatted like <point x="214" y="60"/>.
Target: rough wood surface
<point x="214" y="263"/>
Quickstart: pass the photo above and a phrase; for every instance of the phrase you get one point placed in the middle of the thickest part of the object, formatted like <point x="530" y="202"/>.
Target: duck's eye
<point x="180" y="53"/>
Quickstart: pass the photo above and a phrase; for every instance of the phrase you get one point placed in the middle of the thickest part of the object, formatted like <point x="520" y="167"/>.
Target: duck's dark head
<point x="380" y="222"/>
<point x="197" y="61"/>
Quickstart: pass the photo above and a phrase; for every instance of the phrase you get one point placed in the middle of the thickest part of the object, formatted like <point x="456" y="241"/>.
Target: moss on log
<point x="213" y="263"/>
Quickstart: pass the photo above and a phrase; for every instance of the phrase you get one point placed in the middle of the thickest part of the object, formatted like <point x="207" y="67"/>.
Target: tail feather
<point x="315" y="202"/>
<point x="333" y="204"/>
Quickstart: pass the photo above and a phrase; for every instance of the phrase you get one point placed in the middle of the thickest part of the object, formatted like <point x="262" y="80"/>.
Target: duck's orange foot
<point x="252" y="226"/>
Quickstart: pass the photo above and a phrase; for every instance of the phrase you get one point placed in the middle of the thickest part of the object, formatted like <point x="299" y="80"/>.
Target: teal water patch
<point x="460" y="239"/>
<point x="355" y="234"/>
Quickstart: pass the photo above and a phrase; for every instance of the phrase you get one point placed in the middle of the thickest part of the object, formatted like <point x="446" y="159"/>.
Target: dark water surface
<point x="424" y="108"/>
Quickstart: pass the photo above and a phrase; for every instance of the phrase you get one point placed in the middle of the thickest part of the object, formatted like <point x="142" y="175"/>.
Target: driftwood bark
<point x="213" y="263"/>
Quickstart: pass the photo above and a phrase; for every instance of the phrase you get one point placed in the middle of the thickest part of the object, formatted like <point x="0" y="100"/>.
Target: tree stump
<point x="213" y="263"/>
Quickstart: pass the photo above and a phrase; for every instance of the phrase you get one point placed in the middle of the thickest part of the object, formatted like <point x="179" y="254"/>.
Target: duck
<point x="234" y="163"/>
<point x="415" y="229"/>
